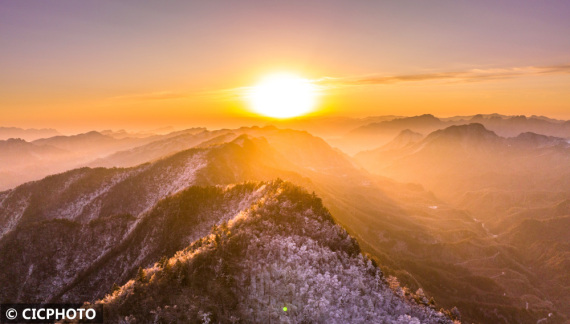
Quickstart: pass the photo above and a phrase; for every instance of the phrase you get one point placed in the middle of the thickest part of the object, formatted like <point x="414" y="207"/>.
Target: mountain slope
<point x="283" y="260"/>
<point x="423" y="241"/>
<point x="159" y="148"/>
<point x="87" y="200"/>
<point x="275" y="246"/>
<point x="503" y="185"/>
<point x="86" y="194"/>
<point x="83" y="263"/>
<point x="376" y="134"/>
<point x="405" y="138"/>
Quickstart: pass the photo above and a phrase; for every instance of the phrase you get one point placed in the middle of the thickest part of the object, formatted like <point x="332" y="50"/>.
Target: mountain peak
<point x="26" y="134"/>
<point x="425" y="118"/>
<point x="409" y="132"/>
<point x="538" y="140"/>
<point x="14" y="141"/>
<point x="468" y="131"/>
<point x="404" y="139"/>
<point x="270" y="263"/>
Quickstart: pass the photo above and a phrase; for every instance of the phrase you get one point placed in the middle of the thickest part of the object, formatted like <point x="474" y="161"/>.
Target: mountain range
<point x="469" y="217"/>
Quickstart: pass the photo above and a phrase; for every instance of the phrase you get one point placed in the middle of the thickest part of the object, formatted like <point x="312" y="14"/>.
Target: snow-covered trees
<point x="284" y="260"/>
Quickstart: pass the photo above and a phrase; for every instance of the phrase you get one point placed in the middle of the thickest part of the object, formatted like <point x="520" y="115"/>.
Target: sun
<point x="283" y="95"/>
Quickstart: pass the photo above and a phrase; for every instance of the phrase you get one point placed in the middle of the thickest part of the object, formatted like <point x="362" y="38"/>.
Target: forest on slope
<point x="282" y="260"/>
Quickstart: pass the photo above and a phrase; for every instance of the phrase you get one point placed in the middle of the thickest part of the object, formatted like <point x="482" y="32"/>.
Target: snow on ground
<point x="12" y="213"/>
<point x="174" y="180"/>
<point x="171" y="182"/>
<point x="75" y="209"/>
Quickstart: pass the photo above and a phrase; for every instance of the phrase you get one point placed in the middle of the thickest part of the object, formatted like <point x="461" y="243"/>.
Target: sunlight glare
<point x="283" y="96"/>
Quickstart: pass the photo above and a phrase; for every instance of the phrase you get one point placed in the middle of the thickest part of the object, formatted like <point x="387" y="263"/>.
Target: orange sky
<point x="77" y="65"/>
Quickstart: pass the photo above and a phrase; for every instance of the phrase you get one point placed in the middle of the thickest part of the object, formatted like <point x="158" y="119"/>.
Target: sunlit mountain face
<point x="286" y="161"/>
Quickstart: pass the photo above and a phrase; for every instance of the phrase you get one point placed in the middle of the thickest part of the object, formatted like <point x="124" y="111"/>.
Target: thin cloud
<point x="220" y="94"/>
<point x="475" y="75"/>
<point x="158" y="95"/>
<point x="227" y="94"/>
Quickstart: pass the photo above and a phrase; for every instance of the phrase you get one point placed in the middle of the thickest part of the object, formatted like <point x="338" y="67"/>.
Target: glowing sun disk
<point x="283" y="96"/>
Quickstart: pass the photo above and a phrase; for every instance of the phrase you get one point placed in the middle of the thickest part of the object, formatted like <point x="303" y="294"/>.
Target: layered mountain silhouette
<point x="26" y="134"/>
<point x="470" y="157"/>
<point x="506" y="184"/>
<point x="23" y="161"/>
<point x="464" y="251"/>
<point x="404" y="139"/>
<point x="374" y="135"/>
<point x="273" y="246"/>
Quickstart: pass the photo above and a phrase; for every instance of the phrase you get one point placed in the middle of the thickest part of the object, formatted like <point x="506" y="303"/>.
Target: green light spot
<point x="285" y="308"/>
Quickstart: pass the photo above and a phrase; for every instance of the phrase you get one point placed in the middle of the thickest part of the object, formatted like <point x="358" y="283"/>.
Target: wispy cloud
<point x="219" y="94"/>
<point x="474" y="75"/>
<point x="146" y="96"/>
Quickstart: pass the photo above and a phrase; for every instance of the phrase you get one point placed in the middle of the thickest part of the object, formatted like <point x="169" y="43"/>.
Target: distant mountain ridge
<point x="26" y="134"/>
<point x="405" y="138"/>
<point x="376" y="134"/>
<point x="465" y="150"/>
<point x="55" y="154"/>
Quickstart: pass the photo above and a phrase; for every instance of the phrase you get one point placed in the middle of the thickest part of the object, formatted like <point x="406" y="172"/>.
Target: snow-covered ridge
<point x="12" y="211"/>
<point x="284" y="271"/>
<point x="175" y="179"/>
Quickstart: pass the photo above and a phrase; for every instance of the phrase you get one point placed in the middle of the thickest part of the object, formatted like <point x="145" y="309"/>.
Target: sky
<point x="121" y="64"/>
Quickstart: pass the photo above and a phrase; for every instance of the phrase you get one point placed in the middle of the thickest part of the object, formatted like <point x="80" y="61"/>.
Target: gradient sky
<point x="97" y="64"/>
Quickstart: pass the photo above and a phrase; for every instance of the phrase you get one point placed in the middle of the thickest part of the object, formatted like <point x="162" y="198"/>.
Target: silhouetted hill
<point x="416" y="122"/>
<point x="374" y="135"/>
<point x="377" y="134"/>
<point x="26" y="134"/>
<point x="78" y="151"/>
<point x="21" y="161"/>
<point x="156" y="149"/>
<point x="510" y="126"/>
<point x="83" y="142"/>
<point x="16" y="150"/>
<point x="470" y="157"/>
<point x="329" y="127"/>
<point x="405" y="138"/>
<point x="466" y="134"/>
<point x="538" y="140"/>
